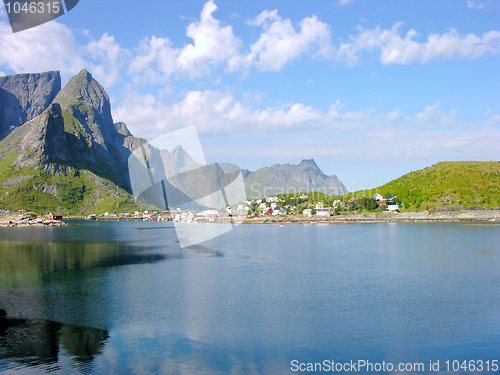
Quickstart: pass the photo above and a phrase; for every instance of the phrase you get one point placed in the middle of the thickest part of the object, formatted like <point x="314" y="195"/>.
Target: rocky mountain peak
<point x="182" y="159"/>
<point x="309" y="165"/>
<point x="88" y="103"/>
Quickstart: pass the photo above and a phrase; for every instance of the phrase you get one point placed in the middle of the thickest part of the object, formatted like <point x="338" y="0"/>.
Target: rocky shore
<point x="22" y="221"/>
<point x="403" y="217"/>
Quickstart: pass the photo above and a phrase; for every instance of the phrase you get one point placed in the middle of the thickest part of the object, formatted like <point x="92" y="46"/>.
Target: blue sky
<point x="369" y="89"/>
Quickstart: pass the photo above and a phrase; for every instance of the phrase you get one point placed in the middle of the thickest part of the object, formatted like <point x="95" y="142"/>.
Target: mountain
<point x="289" y="178"/>
<point x="183" y="160"/>
<point x="68" y="155"/>
<point x="60" y="150"/>
<point x="25" y="96"/>
<point x="448" y="184"/>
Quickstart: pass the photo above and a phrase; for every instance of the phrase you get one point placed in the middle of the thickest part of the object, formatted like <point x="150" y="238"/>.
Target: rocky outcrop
<point x="121" y="128"/>
<point x="24" y="221"/>
<point x="25" y="96"/>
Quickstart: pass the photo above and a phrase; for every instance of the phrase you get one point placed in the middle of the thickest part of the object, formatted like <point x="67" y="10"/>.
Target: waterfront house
<point x="324" y="211"/>
<point x="392" y="206"/>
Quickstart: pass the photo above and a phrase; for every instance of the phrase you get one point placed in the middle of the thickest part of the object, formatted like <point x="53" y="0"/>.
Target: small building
<point x="307" y="212"/>
<point x="378" y="197"/>
<point x="392" y="206"/>
<point x="279" y="211"/>
<point x="324" y="211"/>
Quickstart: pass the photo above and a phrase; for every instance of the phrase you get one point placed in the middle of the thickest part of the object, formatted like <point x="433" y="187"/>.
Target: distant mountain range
<point x="60" y="150"/>
<point x="289" y="178"/>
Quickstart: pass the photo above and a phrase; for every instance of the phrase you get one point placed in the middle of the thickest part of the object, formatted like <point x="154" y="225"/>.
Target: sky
<point x="369" y="89"/>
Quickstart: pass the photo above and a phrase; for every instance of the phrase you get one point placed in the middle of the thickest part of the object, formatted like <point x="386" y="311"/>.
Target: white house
<point x="279" y="211"/>
<point x="392" y="206"/>
<point x="378" y="197"/>
<point x="324" y="211"/>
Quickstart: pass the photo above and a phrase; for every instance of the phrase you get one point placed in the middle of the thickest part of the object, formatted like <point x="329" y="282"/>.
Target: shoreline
<point x="353" y="218"/>
<point x="25" y="222"/>
<point x="402" y="217"/>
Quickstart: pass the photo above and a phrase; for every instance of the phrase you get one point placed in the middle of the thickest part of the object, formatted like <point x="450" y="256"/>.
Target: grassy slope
<point x="462" y="183"/>
<point x="74" y="192"/>
<point x="466" y="184"/>
<point x="78" y="191"/>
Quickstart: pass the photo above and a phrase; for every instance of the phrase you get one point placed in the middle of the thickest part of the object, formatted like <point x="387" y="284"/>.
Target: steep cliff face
<point x="25" y="96"/>
<point x="40" y="141"/>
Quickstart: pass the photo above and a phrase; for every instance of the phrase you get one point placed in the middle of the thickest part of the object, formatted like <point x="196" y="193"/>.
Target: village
<point x="303" y="205"/>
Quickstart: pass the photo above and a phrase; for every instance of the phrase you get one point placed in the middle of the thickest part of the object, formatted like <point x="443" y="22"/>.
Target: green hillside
<point x="461" y="183"/>
<point x="72" y="191"/>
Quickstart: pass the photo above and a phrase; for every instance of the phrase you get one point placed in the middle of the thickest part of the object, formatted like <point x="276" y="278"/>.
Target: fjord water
<point x="106" y="298"/>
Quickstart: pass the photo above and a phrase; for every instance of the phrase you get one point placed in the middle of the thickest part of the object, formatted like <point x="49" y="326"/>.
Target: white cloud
<point x="345" y="2"/>
<point x="280" y="42"/>
<point x="108" y="59"/>
<point x="393" y="48"/>
<point x="155" y="60"/>
<point x="214" y="113"/>
<point x="475" y="4"/>
<point x="213" y="44"/>
<point x="48" y="47"/>
<point x="218" y="113"/>
<point x="53" y="46"/>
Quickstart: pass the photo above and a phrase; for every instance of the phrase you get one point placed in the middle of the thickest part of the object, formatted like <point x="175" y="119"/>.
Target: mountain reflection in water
<point x="25" y="342"/>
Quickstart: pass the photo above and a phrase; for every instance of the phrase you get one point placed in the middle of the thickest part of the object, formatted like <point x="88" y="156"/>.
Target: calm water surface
<point x="105" y="298"/>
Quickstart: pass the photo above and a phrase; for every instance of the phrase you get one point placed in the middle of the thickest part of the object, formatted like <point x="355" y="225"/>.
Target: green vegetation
<point x="449" y="185"/>
<point x="462" y="184"/>
<point x="72" y="192"/>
